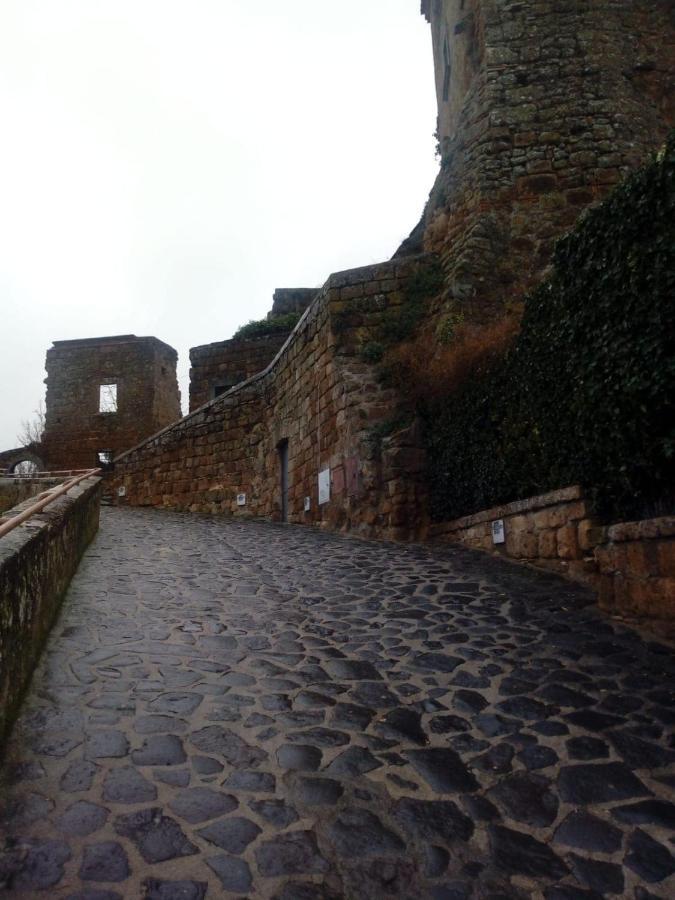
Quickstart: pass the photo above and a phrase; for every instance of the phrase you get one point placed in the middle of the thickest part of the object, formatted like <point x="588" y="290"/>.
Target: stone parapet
<point x="37" y="561"/>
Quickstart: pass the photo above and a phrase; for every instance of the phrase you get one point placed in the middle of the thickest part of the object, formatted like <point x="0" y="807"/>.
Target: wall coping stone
<point x="530" y="504"/>
<point x="646" y="529"/>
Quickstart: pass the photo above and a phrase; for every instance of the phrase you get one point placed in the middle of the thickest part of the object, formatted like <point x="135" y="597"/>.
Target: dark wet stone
<point x="446" y="724"/>
<point x="106" y="861"/>
<point x="599" y="783"/>
<point x="638" y="753"/>
<point x="257" y="782"/>
<point x="216" y="739"/>
<point x="431" y="820"/>
<point x="39" y="868"/>
<point x="174" y="890"/>
<point x="587" y="747"/>
<point x="26" y="809"/>
<point x="568" y="892"/>
<point x="317" y="791"/>
<point x="436" y="662"/>
<point x="494" y="725"/>
<point x="78" y="777"/>
<point x="299" y="757"/>
<point x="523" y="708"/>
<point x="437" y="859"/>
<point x="206" y="765"/>
<point x="293" y="853"/>
<point x="538" y="757"/>
<point x="126" y="785"/>
<point x="481" y="809"/>
<point x="319" y="737"/>
<point x="357" y="832"/>
<point x="581" y="829"/>
<point x="526" y="798"/>
<point x="234" y="874"/>
<point x="176" y="703"/>
<point x="352" y="670"/>
<point x="276" y="812"/>
<point x="403" y="723"/>
<point x="200" y="803"/>
<point x="160" y="750"/>
<point x="351" y="716"/>
<point x="592" y="720"/>
<point x="647" y="812"/>
<point x="353" y="762"/>
<point x="156" y="836"/>
<point x="453" y="890"/>
<point x="649" y="859"/>
<point x="466" y="743"/>
<point x="312" y="700"/>
<point x="156" y="724"/>
<point x="174" y="777"/>
<point x="521" y="854"/>
<point x="25" y="771"/>
<point x="82" y="818"/>
<point x="106" y="744"/>
<point x="564" y="696"/>
<point x="373" y="694"/>
<point x="604" y="877"/>
<point x="233" y="835"/>
<point x="275" y="702"/>
<point x="302" y="890"/>
<point x="469" y="680"/>
<point x="443" y="770"/>
<point x="496" y="759"/>
<point x="470" y="701"/>
<point x="550" y="727"/>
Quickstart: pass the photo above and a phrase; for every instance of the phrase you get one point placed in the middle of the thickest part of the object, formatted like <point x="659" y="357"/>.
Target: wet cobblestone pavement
<point x="232" y="709"/>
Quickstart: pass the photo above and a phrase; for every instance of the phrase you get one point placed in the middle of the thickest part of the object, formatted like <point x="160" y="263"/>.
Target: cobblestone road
<point x="250" y="710"/>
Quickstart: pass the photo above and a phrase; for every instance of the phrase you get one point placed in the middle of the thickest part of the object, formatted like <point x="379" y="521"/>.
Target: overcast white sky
<point x="165" y="164"/>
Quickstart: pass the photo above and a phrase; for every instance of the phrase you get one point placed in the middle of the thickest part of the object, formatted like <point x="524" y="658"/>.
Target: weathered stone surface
<point x="126" y="785"/>
<point x="156" y="836"/>
<point x="587" y="832"/>
<point x="521" y="854"/>
<point x="294" y="853"/>
<point x="527" y="799"/>
<point x="649" y="859"/>
<point x="160" y="750"/>
<point x="225" y="743"/>
<point x="599" y="783"/>
<point x="357" y="832"/>
<point x="105" y="861"/>
<point x="156" y="889"/>
<point x="234" y="874"/>
<point x="82" y="818"/>
<point x="443" y="770"/>
<point x="233" y="835"/>
<point x="199" y="804"/>
<point x="432" y="820"/>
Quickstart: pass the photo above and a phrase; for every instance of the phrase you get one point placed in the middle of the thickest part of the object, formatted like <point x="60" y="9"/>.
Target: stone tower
<point x="104" y="395"/>
<point x="543" y="106"/>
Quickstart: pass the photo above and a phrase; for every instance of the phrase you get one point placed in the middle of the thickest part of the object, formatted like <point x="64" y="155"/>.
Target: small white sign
<point x="241" y="499"/>
<point x="308" y="504"/>
<point x="324" y="486"/>
<point x="498" y="532"/>
<point x="121" y="491"/>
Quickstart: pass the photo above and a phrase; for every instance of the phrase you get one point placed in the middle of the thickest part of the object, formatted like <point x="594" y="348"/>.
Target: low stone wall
<point x="317" y="405"/>
<point x="636" y="562"/>
<point x="631" y="565"/>
<point x="16" y="490"/>
<point x="37" y="561"/>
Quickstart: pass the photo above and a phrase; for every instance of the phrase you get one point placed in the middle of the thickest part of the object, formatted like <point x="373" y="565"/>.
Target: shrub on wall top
<point x="587" y="391"/>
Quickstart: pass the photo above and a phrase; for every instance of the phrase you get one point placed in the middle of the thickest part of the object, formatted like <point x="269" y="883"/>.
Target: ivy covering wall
<point x="586" y="394"/>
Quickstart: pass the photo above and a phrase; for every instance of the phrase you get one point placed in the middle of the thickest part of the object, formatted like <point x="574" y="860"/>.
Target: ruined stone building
<point x="104" y="395"/>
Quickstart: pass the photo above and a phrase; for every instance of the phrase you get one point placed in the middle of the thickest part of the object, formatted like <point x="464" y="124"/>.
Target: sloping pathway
<point x="232" y="709"/>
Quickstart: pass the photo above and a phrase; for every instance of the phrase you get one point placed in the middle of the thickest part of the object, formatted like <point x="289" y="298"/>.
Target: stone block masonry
<point x="259" y="449"/>
<point x="542" y="108"/>
<point x="37" y="561"/>
<point x="139" y="375"/>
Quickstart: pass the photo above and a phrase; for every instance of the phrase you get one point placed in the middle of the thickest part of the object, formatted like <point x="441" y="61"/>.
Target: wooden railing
<point x="72" y="476"/>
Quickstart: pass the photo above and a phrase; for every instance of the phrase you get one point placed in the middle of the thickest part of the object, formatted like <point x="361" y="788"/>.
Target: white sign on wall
<point x="121" y="491"/>
<point x="308" y="504"/>
<point x="241" y="499"/>
<point x="498" y="536"/>
<point x="324" y="486"/>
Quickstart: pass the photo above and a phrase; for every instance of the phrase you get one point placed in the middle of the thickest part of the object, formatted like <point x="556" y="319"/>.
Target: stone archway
<point x="11" y="460"/>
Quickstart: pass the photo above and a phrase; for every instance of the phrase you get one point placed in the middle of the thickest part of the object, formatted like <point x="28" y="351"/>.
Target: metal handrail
<point x="46" y="498"/>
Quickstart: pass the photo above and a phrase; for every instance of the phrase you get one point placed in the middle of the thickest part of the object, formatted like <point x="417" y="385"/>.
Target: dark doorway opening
<point x="282" y="449"/>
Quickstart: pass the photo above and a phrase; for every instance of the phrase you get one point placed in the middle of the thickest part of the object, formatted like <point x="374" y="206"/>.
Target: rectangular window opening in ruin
<point x="104" y="458"/>
<point x="448" y="70"/>
<point x="107" y="398"/>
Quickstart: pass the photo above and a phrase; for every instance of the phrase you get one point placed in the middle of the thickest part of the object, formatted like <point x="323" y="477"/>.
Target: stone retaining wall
<point x="319" y="398"/>
<point x="16" y="490"/>
<point x="631" y="564"/>
<point x="37" y="561"/>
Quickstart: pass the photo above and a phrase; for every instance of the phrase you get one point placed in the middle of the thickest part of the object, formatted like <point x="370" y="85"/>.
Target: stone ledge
<point x="530" y="504"/>
<point x="647" y="529"/>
